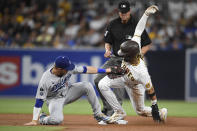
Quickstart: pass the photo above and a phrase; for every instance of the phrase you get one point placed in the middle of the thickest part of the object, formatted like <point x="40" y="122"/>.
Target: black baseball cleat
<point x="102" y="119"/>
<point x="104" y="111"/>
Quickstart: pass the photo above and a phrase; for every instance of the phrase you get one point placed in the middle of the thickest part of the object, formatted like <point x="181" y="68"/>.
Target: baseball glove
<point x="155" y="113"/>
<point x="116" y="71"/>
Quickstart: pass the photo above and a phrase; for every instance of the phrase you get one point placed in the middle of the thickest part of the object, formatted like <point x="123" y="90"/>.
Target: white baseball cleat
<point x="102" y="123"/>
<point x="102" y="119"/>
<point x="117" y="117"/>
<point x="163" y="114"/>
<point x="121" y="122"/>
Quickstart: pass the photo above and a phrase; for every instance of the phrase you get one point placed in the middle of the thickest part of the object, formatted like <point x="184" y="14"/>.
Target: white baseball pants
<point x="135" y="93"/>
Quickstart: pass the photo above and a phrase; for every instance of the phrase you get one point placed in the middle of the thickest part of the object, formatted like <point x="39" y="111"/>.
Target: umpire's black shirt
<point x="117" y="33"/>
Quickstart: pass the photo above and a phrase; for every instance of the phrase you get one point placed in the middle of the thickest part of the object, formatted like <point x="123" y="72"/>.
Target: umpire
<point x="118" y="31"/>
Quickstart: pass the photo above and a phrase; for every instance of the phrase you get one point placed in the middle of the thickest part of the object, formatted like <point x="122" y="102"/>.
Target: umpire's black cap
<point x="124" y="7"/>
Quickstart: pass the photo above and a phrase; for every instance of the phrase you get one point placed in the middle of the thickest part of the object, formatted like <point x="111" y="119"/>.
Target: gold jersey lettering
<point x="129" y="74"/>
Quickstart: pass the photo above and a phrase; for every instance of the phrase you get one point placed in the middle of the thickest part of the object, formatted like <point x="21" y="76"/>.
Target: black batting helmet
<point x="129" y="50"/>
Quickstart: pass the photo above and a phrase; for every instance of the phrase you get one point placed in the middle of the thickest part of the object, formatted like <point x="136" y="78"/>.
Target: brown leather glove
<point x="116" y="71"/>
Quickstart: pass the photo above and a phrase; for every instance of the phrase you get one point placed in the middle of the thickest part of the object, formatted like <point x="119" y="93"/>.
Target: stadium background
<point x="31" y="30"/>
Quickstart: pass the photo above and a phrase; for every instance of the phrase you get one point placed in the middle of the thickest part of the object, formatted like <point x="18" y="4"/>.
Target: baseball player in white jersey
<point x="55" y="89"/>
<point x="137" y="79"/>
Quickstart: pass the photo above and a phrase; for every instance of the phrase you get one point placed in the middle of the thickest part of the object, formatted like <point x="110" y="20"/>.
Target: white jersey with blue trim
<point x="52" y="86"/>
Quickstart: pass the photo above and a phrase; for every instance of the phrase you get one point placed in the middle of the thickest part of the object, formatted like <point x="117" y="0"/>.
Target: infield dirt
<point x="88" y="123"/>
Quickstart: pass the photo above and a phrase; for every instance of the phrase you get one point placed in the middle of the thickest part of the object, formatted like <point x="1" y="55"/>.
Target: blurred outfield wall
<point x="191" y="75"/>
<point x="21" y="70"/>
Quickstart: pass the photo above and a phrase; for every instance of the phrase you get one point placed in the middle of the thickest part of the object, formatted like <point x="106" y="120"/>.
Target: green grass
<point x="30" y="128"/>
<point x="175" y="108"/>
<point x="25" y="106"/>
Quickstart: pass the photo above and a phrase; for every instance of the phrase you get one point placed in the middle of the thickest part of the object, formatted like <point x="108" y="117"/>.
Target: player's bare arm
<point x="107" y="50"/>
<point x="32" y="123"/>
<point x="36" y="113"/>
<point x="94" y="70"/>
<point x="111" y="70"/>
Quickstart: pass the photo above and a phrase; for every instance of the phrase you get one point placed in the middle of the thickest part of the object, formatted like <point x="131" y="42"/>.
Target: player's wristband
<point x="154" y="102"/>
<point x="36" y="113"/>
<point x="101" y="70"/>
<point x="84" y="69"/>
<point x="39" y="103"/>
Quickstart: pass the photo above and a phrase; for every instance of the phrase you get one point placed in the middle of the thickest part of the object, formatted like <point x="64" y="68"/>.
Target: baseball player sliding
<point x="55" y="89"/>
<point x="136" y="80"/>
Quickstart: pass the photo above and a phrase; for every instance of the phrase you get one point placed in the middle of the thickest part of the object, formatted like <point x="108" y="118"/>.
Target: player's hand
<point x="151" y="10"/>
<point x="107" y="54"/>
<point x="155" y="113"/>
<point x="32" y="123"/>
<point x="116" y="71"/>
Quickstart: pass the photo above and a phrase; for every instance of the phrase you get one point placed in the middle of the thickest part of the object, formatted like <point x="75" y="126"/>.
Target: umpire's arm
<point x="146" y="48"/>
<point x="145" y="42"/>
<point x="107" y="50"/>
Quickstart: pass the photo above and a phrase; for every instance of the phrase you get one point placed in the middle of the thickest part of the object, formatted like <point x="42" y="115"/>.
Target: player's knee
<point x="139" y="113"/>
<point x="56" y="120"/>
<point x="102" y="85"/>
<point x="87" y="84"/>
<point x="59" y="121"/>
<point x="138" y="110"/>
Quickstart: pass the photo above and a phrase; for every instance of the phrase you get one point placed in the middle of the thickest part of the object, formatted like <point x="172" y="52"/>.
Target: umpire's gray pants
<point x="119" y="92"/>
<point x="75" y="91"/>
